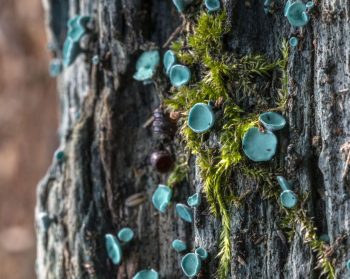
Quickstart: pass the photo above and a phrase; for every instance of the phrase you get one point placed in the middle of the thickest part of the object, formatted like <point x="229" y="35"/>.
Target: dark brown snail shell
<point x="162" y="161"/>
<point x="162" y="124"/>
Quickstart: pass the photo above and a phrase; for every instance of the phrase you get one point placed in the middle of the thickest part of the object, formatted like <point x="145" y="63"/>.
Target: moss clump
<point x="217" y="69"/>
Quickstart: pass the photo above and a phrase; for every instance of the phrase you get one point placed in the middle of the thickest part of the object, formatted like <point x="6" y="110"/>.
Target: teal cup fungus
<point x="181" y="5"/>
<point x="179" y="75"/>
<point x="309" y="5"/>
<point x="296" y="13"/>
<point x="161" y="197"/>
<point x="201" y="118"/>
<point x="288" y="198"/>
<point x="169" y="59"/>
<point x="55" y="67"/>
<point x="114" y="249"/>
<point x="179" y="245"/>
<point x="202" y="253"/>
<point x="125" y="235"/>
<point x="293" y="41"/>
<point x="146" y="274"/>
<point x="194" y="200"/>
<point x="325" y="238"/>
<point x="191" y="264"/>
<point x="184" y="212"/>
<point x="259" y="146"/>
<point x="59" y="155"/>
<point x="212" y="5"/>
<point x="76" y="30"/>
<point x="272" y="121"/>
<point x="146" y="65"/>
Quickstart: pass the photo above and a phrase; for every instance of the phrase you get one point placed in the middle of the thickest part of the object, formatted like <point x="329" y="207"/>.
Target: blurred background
<point x="28" y="123"/>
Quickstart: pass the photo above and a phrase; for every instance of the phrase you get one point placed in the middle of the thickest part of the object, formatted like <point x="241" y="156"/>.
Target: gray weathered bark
<point x="107" y="147"/>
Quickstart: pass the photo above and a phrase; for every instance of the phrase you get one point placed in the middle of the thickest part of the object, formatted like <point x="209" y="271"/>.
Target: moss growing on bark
<point x="203" y="49"/>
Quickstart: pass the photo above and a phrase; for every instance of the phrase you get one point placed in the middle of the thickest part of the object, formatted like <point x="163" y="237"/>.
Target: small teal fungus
<point x="184" y="212"/>
<point x="194" y="200"/>
<point x="212" y="5"/>
<point x="114" y="249"/>
<point x="309" y="5"/>
<point x="95" y="60"/>
<point x="325" y="238"/>
<point x="293" y="41"/>
<point x="59" y="155"/>
<point x="348" y="264"/>
<point x="201" y="118"/>
<point x="181" y="5"/>
<point x="71" y="50"/>
<point x="146" y="274"/>
<point x="76" y="30"/>
<point x="169" y="59"/>
<point x="259" y="146"/>
<point x="272" y="121"/>
<point x="191" y="264"/>
<point x="125" y="235"/>
<point x="161" y="197"/>
<point x="179" y="245"/>
<point x="179" y="75"/>
<point x="288" y="198"/>
<point x="77" y="27"/>
<point x="296" y="14"/>
<point x="55" y="67"/>
<point x="146" y="65"/>
<point x="202" y="253"/>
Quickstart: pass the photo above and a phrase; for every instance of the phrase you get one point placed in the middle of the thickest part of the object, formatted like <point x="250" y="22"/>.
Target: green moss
<point x="217" y="70"/>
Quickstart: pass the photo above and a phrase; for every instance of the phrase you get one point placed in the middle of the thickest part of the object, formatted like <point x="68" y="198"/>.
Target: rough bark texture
<point x="108" y="149"/>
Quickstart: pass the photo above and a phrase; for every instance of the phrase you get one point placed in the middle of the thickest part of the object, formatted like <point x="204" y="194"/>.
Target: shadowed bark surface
<point x="107" y="147"/>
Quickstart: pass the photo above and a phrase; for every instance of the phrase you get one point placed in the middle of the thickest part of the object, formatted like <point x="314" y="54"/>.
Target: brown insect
<point x="162" y="124"/>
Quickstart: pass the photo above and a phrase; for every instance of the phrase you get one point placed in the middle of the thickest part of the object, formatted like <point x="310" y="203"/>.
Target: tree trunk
<point x="107" y="148"/>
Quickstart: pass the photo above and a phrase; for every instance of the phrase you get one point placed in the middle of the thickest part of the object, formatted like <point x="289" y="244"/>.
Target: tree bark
<point x="107" y="147"/>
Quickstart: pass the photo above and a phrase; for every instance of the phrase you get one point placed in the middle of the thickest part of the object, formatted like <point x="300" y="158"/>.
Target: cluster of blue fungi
<point x="258" y="144"/>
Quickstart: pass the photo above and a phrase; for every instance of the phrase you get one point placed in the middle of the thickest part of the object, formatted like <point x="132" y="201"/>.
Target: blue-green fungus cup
<point x="71" y="50"/>
<point x="259" y="146"/>
<point x="161" y="197"/>
<point x="179" y="75"/>
<point x="179" y="245"/>
<point x="169" y="59"/>
<point x="146" y="274"/>
<point x="296" y="13"/>
<point x="184" y="212"/>
<point x="194" y="200"/>
<point x="202" y="253"/>
<point x="76" y="30"/>
<point x="325" y="238"/>
<point x="181" y="5"/>
<point x="114" y="249"/>
<point x="348" y="264"/>
<point x="272" y="121"/>
<point x="288" y="198"/>
<point x="309" y="5"/>
<point x="201" y="118"/>
<point x="146" y="65"/>
<point x="212" y="5"/>
<point x="55" y="67"/>
<point x="293" y="41"/>
<point x="125" y="235"/>
<point x="191" y="264"/>
<point x="59" y="155"/>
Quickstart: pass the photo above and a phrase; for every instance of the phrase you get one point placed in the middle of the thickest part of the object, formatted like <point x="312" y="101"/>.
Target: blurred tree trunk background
<point x="107" y="148"/>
